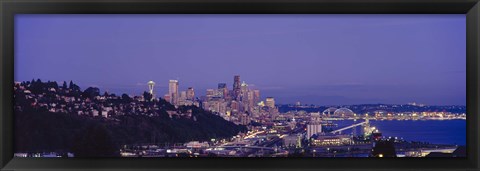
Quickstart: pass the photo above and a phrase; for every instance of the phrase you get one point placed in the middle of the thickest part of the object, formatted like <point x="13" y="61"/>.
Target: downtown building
<point x="173" y="91"/>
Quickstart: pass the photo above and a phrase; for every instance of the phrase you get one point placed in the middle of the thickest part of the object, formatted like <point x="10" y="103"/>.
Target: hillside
<point x="38" y="129"/>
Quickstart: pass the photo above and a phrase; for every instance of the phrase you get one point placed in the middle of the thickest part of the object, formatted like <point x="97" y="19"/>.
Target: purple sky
<point x="314" y="59"/>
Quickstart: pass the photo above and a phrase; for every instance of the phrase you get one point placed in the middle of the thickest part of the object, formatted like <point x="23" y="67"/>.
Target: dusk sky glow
<point x="314" y="59"/>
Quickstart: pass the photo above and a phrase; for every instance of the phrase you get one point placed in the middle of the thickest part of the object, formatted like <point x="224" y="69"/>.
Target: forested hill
<point x="63" y="119"/>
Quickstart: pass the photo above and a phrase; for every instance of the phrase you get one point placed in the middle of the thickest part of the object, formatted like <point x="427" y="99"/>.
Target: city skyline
<point x="313" y="67"/>
<point x="193" y="94"/>
<point x="226" y="125"/>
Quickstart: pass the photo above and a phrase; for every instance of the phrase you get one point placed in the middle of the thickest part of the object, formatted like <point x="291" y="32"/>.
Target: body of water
<point x="433" y="131"/>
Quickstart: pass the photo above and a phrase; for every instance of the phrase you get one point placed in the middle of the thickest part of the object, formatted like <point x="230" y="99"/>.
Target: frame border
<point x="9" y="8"/>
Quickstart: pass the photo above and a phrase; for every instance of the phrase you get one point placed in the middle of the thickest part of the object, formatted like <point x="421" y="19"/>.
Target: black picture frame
<point x="9" y="8"/>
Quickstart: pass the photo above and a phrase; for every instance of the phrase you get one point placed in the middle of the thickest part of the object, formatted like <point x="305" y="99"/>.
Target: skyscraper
<point x="222" y="85"/>
<point x="256" y="96"/>
<point x="235" y="106"/>
<point x="243" y="91"/>
<point x="173" y="91"/>
<point x="190" y="93"/>
<point x="223" y="88"/>
<point x="182" y="98"/>
<point x="270" y="102"/>
<point x="210" y="93"/>
<point x="236" y="87"/>
<point x="250" y="100"/>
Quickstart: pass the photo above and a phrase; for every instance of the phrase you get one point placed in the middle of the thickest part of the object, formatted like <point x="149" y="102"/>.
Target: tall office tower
<point x="225" y="93"/>
<point x="256" y="96"/>
<point x="182" y="98"/>
<point x="270" y="102"/>
<point x="243" y="91"/>
<point x="150" y="88"/>
<point x="190" y="93"/>
<point x="236" y="87"/>
<point x="210" y="93"/>
<point x="173" y="91"/>
<point x="218" y="93"/>
<point x="222" y="87"/>
<point x="250" y="100"/>
<point x="230" y="94"/>
<point x="314" y="126"/>
<point x="235" y="106"/>
<point x="223" y="107"/>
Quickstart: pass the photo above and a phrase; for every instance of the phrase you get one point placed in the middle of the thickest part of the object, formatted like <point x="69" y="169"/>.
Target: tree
<point x="71" y="86"/>
<point x="126" y="98"/>
<point x="147" y="96"/>
<point x="95" y="141"/>
<point x="91" y="92"/>
<point x="64" y="85"/>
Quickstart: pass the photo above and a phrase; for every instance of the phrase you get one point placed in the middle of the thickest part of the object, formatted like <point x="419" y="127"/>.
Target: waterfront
<point x="432" y="131"/>
<point x="250" y="127"/>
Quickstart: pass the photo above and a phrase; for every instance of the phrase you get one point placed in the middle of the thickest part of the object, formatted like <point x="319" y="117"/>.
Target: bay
<point x="452" y="132"/>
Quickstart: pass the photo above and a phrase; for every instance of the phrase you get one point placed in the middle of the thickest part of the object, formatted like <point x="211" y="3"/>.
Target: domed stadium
<point x="343" y="112"/>
<point x="329" y="112"/>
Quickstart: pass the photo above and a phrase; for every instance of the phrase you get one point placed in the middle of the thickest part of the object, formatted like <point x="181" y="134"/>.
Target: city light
<point x="268" y="130"/>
